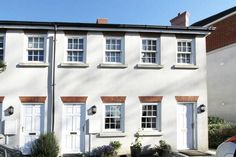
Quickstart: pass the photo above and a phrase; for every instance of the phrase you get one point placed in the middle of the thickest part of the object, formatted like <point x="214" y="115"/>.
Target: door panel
<point x="185" y="126"/>
<point x="33" y="125"/>
<point x="73" y="134"/>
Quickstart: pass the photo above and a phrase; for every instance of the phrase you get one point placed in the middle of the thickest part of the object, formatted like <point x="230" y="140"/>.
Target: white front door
<point x="185" y="126"/>
<point x="32" y="125"/>
<point x="74" y="125"/>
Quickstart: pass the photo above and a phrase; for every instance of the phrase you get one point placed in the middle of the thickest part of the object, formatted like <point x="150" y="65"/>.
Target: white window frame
<point x="158" y="49"/>
<point x="44" y="48"/>
<point x="3" y="48"/>
<point x="122" y="118"/>
<point x="192" y="53"/>
<point x="122" y="59"/>
<point x="84" y="48"/>
<point x="158" y="117"/>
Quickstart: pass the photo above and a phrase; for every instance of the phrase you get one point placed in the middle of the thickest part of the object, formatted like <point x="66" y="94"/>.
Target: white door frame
<point x="194" y="119"/>
<point x="83" y="131"/>
<point x="21" y="134"/>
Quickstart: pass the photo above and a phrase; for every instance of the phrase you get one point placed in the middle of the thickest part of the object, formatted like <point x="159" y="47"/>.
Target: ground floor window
<point x="150" y="116"/>
<point x="114" y="117"/>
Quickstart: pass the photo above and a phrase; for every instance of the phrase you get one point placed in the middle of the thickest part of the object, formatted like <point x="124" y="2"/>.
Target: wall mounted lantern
<point x="94" y="109"/>
<point x="201" y="108"/>
<point x="10" y="110"/>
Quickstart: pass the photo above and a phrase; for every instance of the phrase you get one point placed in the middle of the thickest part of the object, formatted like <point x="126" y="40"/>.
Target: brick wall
<point x="225" y="34"/>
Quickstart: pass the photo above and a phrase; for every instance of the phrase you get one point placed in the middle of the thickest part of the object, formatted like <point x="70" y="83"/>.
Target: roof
<point x="98" y="27"/>
<point x="215" y="17"/>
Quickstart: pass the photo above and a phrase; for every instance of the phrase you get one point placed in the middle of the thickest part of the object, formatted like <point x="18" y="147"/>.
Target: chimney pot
<point x="102" y="21"/>
<point x="182" y="19"/>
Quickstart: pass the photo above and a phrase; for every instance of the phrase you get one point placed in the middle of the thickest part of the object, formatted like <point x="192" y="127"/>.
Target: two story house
<point x="92" y="83"/>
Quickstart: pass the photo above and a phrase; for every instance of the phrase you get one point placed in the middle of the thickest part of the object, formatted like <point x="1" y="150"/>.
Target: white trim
<point x="185" y="66"/>
<point x="122" y="118"/>
<point x="164" y="29"/>
<point x="150" y="66"/>
<point x="158" y="119"/>
<point x="74" y="65"/>
<point x="84" y="37"/>
<point x="192" y="53"/>
<point x="122" y="38"/>
<point x="45" y="49"/>
<point x="158" y="50"/>
<point x="106" y="65"/>
<point x="33" y="64"/>
<point x="171" y="30"/>
<point x="112" y="134"/>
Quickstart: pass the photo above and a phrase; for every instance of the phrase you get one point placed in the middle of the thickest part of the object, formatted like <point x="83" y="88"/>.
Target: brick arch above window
<point x="1" y="99"/>
<point x="33" y="99"/>
<point x="150" y="99"/>
<point x="74" y="99"/>
<point x="186" y="98"/>
<point x="113" y="99"/>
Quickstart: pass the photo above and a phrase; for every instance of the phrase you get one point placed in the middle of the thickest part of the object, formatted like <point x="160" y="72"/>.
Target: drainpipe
<point x="53" y="77"/>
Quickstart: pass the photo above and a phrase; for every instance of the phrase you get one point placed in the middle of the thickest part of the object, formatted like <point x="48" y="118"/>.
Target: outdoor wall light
<point x="10" y="110"/>
<point x="201" y="108"/>
<point x="94" y="109"/>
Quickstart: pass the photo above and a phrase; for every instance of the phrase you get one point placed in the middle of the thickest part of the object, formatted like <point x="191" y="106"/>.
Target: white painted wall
<point x="132" y="82"/>
<point x="95" y="82"/>
<point x="221" y="78"/>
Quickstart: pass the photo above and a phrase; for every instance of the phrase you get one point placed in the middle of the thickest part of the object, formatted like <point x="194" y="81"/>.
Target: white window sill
<point x="150" y="133"/>
<point x="74" y="65"/>
<point x="29" y="64"/>
<point x="179" y="66"/>
<point x="149" y="66"/>
<point x="107" y="65"/>
<point x="112" y="134"/>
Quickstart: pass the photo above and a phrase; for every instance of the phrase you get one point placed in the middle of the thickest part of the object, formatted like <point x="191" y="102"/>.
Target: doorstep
<point x="194" y="153"/>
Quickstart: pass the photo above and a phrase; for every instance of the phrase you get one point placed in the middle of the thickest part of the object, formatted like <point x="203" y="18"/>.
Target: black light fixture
<point x="201" y="108"/>
<point x="94" y="109"/>
<point x="10" y="110"/>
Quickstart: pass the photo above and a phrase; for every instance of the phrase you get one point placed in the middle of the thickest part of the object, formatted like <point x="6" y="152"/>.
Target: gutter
<point x="53" y="78"/>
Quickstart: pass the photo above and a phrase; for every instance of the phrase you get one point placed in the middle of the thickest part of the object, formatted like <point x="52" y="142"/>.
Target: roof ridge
<point x="214" y="17"/>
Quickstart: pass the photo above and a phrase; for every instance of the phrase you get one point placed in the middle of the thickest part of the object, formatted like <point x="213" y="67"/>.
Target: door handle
<point x="73" y="133"/>
<point x="32" y="133"/>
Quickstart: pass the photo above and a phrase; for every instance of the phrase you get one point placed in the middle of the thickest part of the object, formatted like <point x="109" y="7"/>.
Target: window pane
<point x="112" y="111"/>
<point x="149" y="116"/>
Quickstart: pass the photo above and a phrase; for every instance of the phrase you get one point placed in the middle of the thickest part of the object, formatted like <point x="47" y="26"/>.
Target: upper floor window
<point x="1" y="48"/>
<point x="75" y="50"/>
<point x="185" y="52"/>
<point x="114" y="117"/>
<point x="36" y="48"/>
<point x="150" y="116"/>
<point x="113" y="53"/>
<point x="149" y="51"/>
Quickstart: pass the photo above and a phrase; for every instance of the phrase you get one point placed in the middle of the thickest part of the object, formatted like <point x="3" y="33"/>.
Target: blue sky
<point x="157" y="12"/>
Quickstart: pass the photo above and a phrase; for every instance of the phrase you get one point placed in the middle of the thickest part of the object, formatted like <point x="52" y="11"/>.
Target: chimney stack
<point x="182" y="19"/>
<point x="102" y="21"/>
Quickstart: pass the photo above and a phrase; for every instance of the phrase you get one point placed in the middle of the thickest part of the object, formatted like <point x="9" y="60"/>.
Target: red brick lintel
<point x="32" y="99"/>
<point x="186" y="98"/>
<point x="113" y="99"/>
<point x="74" y="99"/>
<point x="150" y="99"/>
